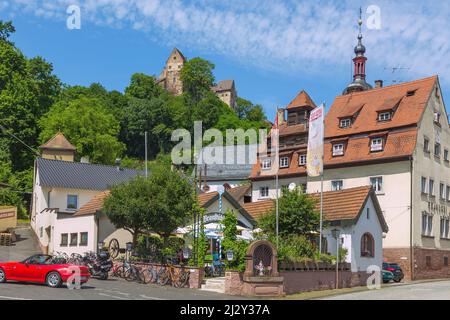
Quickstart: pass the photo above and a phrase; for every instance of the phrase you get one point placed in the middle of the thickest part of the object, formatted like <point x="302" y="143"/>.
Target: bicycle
<point x="177" y="277"/>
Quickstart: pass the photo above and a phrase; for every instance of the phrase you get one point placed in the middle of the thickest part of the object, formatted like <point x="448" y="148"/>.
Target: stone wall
<point x="402" y="256"/>
<point x="195" y="277"/>
<point x="300" y="281"/>
<point x="436" y="267"/>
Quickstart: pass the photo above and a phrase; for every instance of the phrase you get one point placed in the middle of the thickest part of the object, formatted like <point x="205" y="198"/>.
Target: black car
<point x="395" y="269"/>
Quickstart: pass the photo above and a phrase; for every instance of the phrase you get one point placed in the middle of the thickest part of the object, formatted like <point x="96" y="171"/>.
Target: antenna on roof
<point x="395" y="70"/>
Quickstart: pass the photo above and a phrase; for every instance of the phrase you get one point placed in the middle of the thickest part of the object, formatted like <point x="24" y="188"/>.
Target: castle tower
<point x="170" y="78"/>
<point x="58" y="148"/>
<point x="359" y="71"/>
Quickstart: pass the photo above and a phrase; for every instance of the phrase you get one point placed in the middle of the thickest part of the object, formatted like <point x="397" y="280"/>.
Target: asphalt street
<point x="437" y="290"/>
<point x="111" y="289"/>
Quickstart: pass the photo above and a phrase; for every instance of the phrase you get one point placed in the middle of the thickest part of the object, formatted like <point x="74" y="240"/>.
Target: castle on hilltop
<point x="170" y="80"/>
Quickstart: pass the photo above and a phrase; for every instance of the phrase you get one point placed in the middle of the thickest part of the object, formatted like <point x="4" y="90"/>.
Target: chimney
<point x="118" y="162"/>
<point x="280" y="112"/>
<point x="378" y="83"/>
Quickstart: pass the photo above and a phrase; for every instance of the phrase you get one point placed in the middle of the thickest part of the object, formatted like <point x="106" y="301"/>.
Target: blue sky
<point x="271" y="49"/>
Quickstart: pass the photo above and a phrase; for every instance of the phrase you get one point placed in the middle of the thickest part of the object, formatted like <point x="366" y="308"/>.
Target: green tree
<point x="88" y="125"/>
<point x="245" y="109"/>
<point x="171" y="201"/>
<point x="197" y="78"/>
<point x="27" y="89"/>
<point x="149" y="115"/>
<point x="297" y="215"/>
<point x="143" y="86"/>
<point x="127" y="206"/>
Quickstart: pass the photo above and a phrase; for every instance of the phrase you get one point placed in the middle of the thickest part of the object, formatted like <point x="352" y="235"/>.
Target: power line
<point x="18" y="139"/>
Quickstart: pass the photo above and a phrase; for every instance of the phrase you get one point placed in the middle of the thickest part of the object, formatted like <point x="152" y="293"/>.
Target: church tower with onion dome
<point x="359" y="71"/>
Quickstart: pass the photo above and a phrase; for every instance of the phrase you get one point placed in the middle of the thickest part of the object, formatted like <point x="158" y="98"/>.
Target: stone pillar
<point x="233" y="283"/>
<point x="196" y="277"/>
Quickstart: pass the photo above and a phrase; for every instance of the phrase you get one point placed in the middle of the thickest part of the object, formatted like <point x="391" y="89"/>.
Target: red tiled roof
<point x="370" y="102"/>
<point x="205" y="197"/>
<point x="94" y="205"/>
<point x="344" y="204"/>
<point x="398" y="144"/>
<point x="302" y="100"/>
<point x="58" y="141"/>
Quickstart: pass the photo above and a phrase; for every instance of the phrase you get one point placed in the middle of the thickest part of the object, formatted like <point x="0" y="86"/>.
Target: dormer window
<point x="284" y="162"/>
<point x="345" y="123"/>
<point x="266" y="164"/>
<point x="338" y="149"/>
<point x="411" y="93"/>
<point x="437" y="117"/>
<point x="376" y="144"/>
<point x="384" y="116"/>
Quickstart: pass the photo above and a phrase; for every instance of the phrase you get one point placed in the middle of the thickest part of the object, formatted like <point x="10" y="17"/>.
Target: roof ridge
<point x="390" y="86"/>
<point x="86" y="164"/>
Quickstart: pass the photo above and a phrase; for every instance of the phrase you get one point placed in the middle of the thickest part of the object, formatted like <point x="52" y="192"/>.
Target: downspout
<point x="411" y="241"/>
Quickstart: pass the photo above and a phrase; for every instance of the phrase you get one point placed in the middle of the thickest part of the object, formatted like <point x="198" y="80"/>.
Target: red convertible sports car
<point x="41" y="268"/>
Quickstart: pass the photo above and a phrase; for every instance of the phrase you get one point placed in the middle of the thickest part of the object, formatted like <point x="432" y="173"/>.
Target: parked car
<point x="387" y="276"/>
<point x="395" y="269"/>
<point x="40" y="268"/>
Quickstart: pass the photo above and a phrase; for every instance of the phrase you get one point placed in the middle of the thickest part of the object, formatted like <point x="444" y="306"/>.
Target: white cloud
<point x="293" y="35"/>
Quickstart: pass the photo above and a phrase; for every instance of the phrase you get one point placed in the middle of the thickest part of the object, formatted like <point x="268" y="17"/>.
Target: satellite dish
<point x="292" y="186"/>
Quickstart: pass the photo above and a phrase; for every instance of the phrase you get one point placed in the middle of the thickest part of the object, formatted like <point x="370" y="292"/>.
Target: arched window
<point x="367" y="245"/>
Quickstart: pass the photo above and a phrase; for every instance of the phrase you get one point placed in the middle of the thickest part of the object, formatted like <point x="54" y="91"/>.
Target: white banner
<point x="314" y="159"/>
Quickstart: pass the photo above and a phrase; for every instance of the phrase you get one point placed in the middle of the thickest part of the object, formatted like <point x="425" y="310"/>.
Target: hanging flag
<point x="314" y="157"/>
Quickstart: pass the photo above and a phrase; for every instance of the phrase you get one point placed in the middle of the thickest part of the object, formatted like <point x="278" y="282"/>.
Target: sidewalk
<point x="336" y="292"/>
<point x="21" y="249"/>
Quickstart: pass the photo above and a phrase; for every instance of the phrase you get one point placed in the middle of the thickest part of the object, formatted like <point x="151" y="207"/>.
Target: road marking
<point x="13" y="298"/>
<point x="111" y="296"/>
<point x="151" y="298"/>
<point x="113" y="291"/>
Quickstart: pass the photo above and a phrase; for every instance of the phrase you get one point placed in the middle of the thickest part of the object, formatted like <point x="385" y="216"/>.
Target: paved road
<point x="438" y="290"/>
<point x="112" y="289"/>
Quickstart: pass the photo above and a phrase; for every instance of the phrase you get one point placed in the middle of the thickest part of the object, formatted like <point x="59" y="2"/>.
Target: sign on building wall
<point x="10" y="214"/>
<point x="314" y="159"/>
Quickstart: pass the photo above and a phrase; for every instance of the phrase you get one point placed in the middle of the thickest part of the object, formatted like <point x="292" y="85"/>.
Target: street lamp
<point x="129" y="248"/>
<point x="335" y="233"/>
<point x="186" y="253"/>
<point x="230" y="255"/>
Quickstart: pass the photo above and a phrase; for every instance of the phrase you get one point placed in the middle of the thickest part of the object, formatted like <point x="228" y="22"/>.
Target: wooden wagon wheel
<point x="114" y="248"/>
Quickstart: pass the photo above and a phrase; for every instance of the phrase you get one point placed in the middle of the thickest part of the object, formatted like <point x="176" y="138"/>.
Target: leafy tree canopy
<point x="87" y="125"/>
<point x="197" y="77"/>
<point x="297" y="215"/>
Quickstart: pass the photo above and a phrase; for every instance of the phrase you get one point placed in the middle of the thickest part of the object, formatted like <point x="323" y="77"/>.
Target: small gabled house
<point x="60" y="189"/>
<point x="356" y="214"/>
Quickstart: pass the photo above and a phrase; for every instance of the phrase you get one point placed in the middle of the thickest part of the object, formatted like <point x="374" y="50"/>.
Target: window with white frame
<point x="431" y="187"/>
<point x="284" y="162"/>
<point x="337" y="185"/>
<point x="446" y="155"/>
<point x="442" y="191"/>
<point x="266" y="163"/>
<point x="447" y="193"/>
<point x="427" y="224"/>
<point x="302" y="159"/>
<point x="445" y="227"/>
<point x="423" y="185"/>
<point x="384" y="116"/>
<point x="345" y="123"/>
<point x="264" y="192"/>
<point x="376" y="144"/>
<point x="338" y="149"/>
<point x="377" y="184"/>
